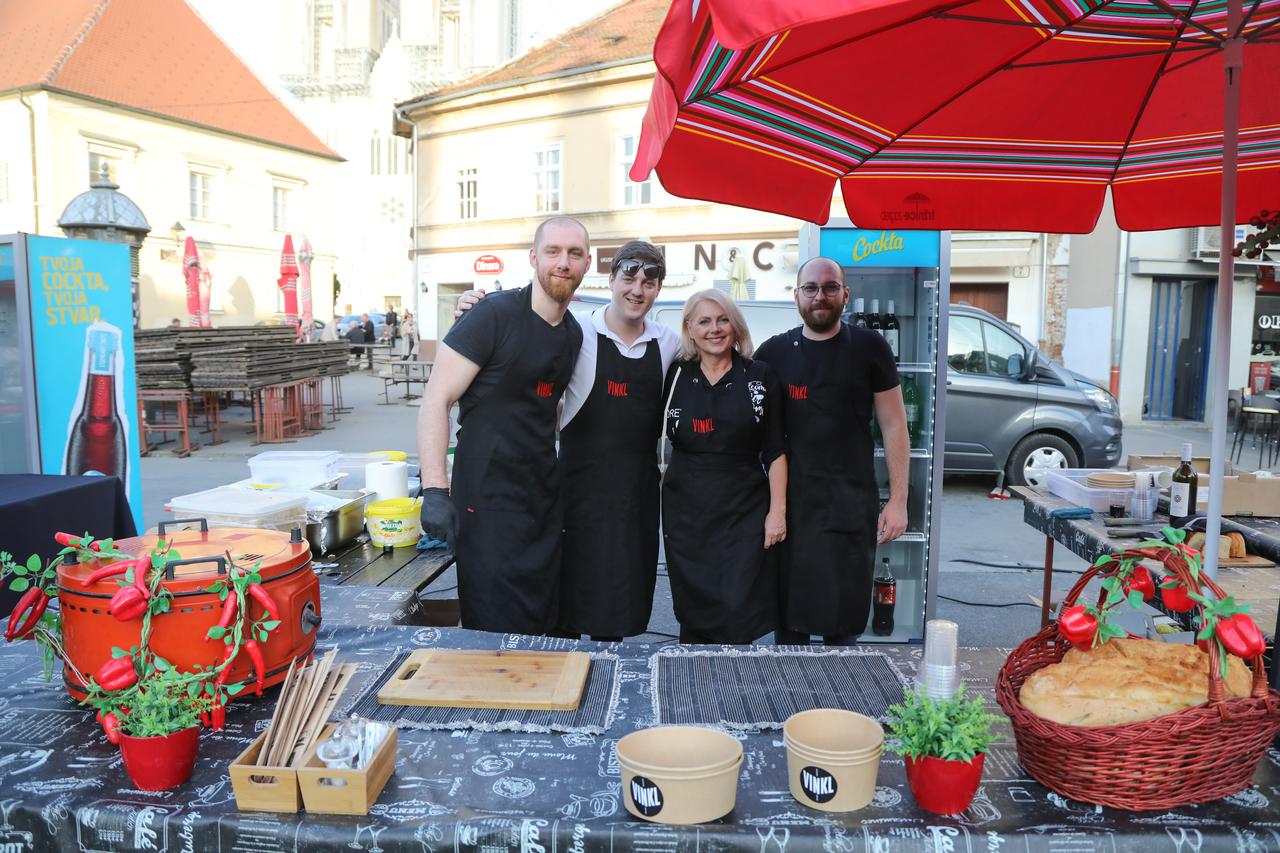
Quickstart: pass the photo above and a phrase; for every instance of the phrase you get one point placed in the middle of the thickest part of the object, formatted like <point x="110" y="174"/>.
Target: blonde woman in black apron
<point x="724" y="492"/>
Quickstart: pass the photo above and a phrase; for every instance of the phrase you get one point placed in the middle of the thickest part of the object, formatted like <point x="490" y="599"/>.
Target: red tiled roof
<point x="626" y="31"/>
<point x="153" y="55"/>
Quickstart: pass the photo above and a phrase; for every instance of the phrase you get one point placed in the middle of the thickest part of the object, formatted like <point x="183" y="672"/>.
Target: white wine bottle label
<point x="891" y="335"/>
<point x="1179" y="498"/>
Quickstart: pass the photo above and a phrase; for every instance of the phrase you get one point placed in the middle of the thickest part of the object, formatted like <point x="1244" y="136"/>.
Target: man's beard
<point x="558" y="289"/>
<point x="826" y="324"/>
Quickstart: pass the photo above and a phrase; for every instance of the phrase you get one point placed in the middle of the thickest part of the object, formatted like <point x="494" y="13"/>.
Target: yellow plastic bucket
<point x="391" y="455"/>
<point x="394" y="522"/>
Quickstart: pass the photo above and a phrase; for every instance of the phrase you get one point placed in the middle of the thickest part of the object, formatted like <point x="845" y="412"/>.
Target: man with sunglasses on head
<point x="837" y="377"/>
<point x="609" y="428"/>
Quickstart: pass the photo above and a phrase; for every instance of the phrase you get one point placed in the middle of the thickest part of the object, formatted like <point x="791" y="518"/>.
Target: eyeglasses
<point x="829" y="288"/>
<point x="631" y="266"/>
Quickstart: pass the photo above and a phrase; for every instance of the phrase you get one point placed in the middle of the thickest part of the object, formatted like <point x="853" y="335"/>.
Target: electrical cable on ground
<point x="988" y="604"/>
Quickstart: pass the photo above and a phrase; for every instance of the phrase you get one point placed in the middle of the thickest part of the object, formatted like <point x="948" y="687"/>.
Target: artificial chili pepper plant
<point x="137" y="692"/>
<point x="1223" y="621"/>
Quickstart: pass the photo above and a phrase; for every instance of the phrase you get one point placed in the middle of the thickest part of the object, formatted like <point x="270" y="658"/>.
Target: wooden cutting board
<point x="1249" y="561"/>
<point x="464" y="678"/>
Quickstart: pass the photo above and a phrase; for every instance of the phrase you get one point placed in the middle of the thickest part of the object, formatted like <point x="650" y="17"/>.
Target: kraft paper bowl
<point x="679" y="774"/>
<point x="833" y="757"/>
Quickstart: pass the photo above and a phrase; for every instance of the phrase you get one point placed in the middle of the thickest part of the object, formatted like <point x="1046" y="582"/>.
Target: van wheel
<point x="1037" y="454"/>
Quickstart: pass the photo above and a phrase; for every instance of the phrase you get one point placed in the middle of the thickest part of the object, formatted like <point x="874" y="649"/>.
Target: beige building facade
<point x="555" y="133"/>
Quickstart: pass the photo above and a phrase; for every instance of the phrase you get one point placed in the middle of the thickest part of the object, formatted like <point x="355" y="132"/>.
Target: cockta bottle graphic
<point x="96" y="441"/>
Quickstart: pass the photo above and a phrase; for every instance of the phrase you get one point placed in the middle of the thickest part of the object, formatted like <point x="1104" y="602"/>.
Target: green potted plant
<point x="160" y="734"/>
<point x="944" y="742"/>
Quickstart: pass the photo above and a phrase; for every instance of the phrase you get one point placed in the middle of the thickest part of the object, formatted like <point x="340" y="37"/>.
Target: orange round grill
<point x="197" y="560"/>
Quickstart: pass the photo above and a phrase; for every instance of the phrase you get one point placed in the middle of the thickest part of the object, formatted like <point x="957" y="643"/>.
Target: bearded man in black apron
<point x="836" y="378"/>
<point x="508" y="363"/>
<point x="609" y="427"/>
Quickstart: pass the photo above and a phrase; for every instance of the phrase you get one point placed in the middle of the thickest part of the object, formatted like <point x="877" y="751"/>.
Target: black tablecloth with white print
<point x="63" y="788"/>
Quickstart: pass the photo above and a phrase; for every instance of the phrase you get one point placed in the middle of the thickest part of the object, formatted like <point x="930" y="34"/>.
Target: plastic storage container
<point x="229" y="506"/>
<point x="1069" y="484"/>
<point x="302" y="469"/>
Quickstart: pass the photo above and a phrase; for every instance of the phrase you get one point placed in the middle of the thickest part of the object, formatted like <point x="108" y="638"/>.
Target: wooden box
<point x="263" y="789"/>
<point x="349" y="792"/>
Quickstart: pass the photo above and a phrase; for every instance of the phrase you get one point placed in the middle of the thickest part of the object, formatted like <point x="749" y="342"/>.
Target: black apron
<point x="833" y="502"/>
<point x="506" y="486"/>
<point x="723" y="579"/>
<point x="610" y="482"/>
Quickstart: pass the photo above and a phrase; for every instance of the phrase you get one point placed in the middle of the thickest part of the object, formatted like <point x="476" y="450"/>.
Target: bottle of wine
<point x="1182" y="494"/>
<point x="890" y="330"/>
<point x="873" y="319"/>
<point x="883" y="599"/>
<point x="859" y="313"/>
<point x="97" y="438"/>
<point x="911" y="402"/>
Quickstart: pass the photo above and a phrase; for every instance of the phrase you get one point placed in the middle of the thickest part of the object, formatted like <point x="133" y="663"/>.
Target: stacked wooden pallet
<point x="160" y="365"/>
<point x="231" y="358"/>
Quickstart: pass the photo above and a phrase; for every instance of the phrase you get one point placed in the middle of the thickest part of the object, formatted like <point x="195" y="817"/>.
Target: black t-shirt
<point x="848" y="369"/>
<point x="485" y="336"/>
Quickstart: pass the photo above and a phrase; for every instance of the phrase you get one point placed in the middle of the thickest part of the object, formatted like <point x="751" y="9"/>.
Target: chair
<point x="1258" y="417"/>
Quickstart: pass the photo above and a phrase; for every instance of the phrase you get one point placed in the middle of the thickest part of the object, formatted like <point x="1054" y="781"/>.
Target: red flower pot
<point x="160" y="763"/>
<point x="942" y="786"/>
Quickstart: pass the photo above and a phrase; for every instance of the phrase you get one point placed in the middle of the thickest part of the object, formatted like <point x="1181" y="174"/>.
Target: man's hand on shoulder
<point x="467" y="301"/>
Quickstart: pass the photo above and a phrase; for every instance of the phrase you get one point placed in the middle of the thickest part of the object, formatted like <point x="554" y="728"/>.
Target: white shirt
<point x="584" y="369"/>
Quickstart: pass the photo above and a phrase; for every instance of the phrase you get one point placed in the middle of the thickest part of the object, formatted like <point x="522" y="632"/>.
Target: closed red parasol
<point x="191" y="272"/>
<point x="288" y="281"/>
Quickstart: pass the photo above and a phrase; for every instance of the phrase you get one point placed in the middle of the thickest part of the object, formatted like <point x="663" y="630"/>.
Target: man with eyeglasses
<point x="836" y="378"/>
<point x="609" y="428"/>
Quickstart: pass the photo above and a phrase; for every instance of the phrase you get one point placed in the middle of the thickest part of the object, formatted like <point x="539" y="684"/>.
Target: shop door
<point x="446" y="300"/>
<point x="992" y="298"/>
<point x="1178" y="364"/>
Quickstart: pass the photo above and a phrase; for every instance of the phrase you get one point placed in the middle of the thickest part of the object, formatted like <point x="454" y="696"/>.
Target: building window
<point x="97" y="161"/>
<point x="546" y="179"/>
<point x="468" y="194"/>
<point x="633" y="194"/>
<point x="281" y="204"/>
<point x="201" y="195"/>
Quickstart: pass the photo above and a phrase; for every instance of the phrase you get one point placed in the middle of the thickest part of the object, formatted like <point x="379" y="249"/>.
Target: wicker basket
<point x="1194" y="756"/>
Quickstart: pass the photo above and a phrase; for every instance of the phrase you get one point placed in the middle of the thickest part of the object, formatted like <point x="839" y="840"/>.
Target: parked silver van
<point x="1009" y="408"/>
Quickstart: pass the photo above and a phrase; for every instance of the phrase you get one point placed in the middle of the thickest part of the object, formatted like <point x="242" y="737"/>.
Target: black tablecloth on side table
<point x="33" y="507"/>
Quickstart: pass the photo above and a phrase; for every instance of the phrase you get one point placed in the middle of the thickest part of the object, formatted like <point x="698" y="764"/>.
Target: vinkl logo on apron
<point x="646" y="796"/>
<point x="704" y="425"/>
<point x="798" y="392"/>
<point x="616" y="389"/>
<point x="818" y="784"/>
<point x="545" y="388"/>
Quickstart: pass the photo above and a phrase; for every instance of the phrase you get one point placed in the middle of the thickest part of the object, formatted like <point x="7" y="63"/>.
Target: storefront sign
<point x="487" y="265"/>
<point x="854" y="247"/>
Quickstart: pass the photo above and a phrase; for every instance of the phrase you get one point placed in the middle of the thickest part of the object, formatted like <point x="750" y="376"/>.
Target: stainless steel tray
<point x="340" y="525"/>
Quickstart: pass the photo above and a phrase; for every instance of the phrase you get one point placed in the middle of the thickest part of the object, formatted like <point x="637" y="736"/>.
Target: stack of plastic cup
<point x="938" y="677"/>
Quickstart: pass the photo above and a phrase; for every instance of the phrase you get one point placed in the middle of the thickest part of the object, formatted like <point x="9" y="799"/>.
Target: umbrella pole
<point x="1233" y="67"/>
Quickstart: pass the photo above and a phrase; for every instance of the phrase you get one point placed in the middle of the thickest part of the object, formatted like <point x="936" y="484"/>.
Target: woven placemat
<point x="758" y="690"/>
<point x="594" y="714"/>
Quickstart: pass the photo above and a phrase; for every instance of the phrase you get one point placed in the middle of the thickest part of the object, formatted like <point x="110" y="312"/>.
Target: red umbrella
<point x="288" y="281"/>
<point x="191" y="272"/>
<point x="978" y="114"/>
<point x="305" y="257"/>
<point x="206" y="293"/>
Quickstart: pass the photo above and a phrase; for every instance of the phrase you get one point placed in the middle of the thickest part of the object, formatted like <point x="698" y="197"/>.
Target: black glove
<point x="439" y="518"/>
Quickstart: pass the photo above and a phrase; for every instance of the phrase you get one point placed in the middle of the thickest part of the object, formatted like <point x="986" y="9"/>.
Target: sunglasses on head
<point x="631" y="266"/>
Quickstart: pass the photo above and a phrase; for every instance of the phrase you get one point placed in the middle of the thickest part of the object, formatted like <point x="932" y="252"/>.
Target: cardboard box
<point x="1170" y="459"/>
<point x="1246" y="494"/>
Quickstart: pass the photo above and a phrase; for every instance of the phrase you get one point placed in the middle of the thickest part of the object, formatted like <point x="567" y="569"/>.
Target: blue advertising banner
<point x="82" y="330"/>
<point x="854" y="247"/>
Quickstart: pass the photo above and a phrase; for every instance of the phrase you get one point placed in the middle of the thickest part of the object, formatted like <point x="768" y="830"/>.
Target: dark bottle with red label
<point x="884" y="594"/>
<point x="97" y="440"/>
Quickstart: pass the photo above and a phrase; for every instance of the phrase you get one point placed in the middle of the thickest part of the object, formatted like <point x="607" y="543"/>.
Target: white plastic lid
<point x="230" y="500"/>
<point x="294" y="457"/>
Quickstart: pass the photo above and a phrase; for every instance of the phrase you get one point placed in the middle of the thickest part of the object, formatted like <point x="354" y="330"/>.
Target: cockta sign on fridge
<point x="82" y="334"/>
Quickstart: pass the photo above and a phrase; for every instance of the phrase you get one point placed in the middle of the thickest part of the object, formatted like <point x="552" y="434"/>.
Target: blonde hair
<point x="741" y="335"/>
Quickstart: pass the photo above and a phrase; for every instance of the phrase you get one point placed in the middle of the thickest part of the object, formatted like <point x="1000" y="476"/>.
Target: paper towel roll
<point x="387" y="480"/>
